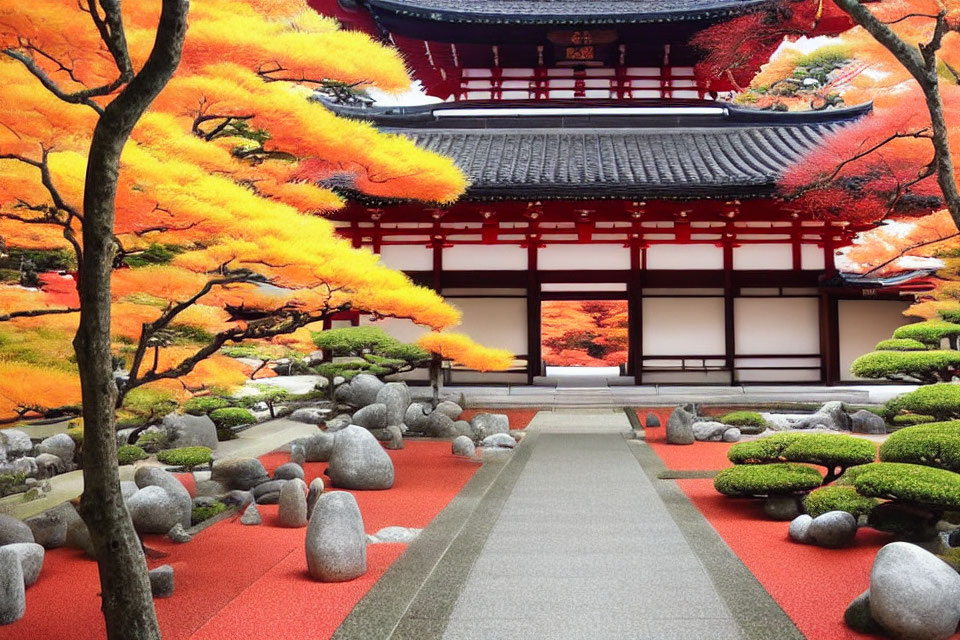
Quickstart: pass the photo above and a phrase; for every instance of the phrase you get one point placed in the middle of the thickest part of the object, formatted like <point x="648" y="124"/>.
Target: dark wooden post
<point x="533" y="307"/>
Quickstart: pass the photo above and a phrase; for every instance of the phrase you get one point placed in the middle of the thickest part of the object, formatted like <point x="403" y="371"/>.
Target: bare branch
<point x="908" y="250"/>
<point x="33" y="313"/>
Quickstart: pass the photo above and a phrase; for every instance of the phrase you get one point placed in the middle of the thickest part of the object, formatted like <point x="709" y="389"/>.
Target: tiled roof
<point x="563" y="11"/>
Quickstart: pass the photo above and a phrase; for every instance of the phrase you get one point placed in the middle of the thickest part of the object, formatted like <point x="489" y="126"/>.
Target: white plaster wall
<point x="407" y="257"/>
<point x="484" y="257"/>
<point x="763" y="256"/>
<point x="811" y="256"/>
<point x="683" y="326"/>
<point x="583" y="256"/>
<point x="864" y="323"/>
<point x="494" y="322"/>
<point x="776" y="326"/>
<point x="400" y="328"/>
<point x="684" y="256"/>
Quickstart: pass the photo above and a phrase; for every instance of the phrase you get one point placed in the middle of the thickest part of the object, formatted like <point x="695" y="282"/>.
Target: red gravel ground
<point x="519" y="418"/>
<point x="234" y="581"/>
<point x="811" y="584"/>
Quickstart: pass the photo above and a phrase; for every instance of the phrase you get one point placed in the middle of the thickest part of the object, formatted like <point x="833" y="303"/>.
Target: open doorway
<point x="584" y="337"/>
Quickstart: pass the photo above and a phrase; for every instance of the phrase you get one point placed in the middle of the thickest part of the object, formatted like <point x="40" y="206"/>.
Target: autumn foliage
<point x="462" y="350"/>
<point x="584" y="333"/>
<point x="221" y="191"/>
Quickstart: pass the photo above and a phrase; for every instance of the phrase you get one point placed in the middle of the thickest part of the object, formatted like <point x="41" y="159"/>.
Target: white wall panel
<point x="864" y="323"/>
<point x="494" y="322"/>
<point x="776" y="326"/>
<point x="400" y="328"/>
<point x="407" y="257"/>
<point x="763" y="256"/>
<point x="583" y="256"/>
<point x="684" y="256"/>
<point x="683" y="326"/>
<point x="811" y="256"/>
<point x="484" y="257"/>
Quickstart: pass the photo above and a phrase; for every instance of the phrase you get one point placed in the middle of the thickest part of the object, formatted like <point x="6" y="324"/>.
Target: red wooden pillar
<point x="533" y="307"/>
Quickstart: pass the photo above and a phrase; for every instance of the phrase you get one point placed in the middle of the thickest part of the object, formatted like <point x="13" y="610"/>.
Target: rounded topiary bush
<point x="923" y="366"/>
<point x="900" y="344"/>
<point x="749" y="422"/>
<point x="909" y="419"/>
<point x="836" y="452"/>
<point x="918" y="484"/>
<point x="834" y="498"/>
<point x="930" y="332"/>
<point x="747" y="481"/>
<point x="130" y="453"/>
<point x="232" y="417"/>
<point x="186" y="457"/>
<point x="202" y="405"/>
<point x="935" y="445"/>
<point x="942" y="401"/>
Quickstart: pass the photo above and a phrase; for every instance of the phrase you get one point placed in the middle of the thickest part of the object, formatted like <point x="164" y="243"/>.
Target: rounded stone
<point x="148" y="476"/>
<point x="864" y="421"/>
<point x="13" y="599"/>
<point x="178" y="534"/>
<point x="161" y="581"/>
<point x="439" y="425"/>
<point x="833" y="529"/>
<point x="487" y="424"/>
<point x="680" y="426"/>
<point x="336" y="545"/>
<point x="732" y="434"/>
<point x="189" y="431"/>
<point x="396" y="438"/>
<point x="499" y="441"/>
<point x="298" y="454"/>
<point x="31" y="560"/>
<point x="50" y="527"/>
<point x="914" y="594"/>
<point x="293" y="503"/>
<point x="288" y="471"/>
<point x="153" y="510"/>
<point x="49" y="465"/>
<point x="781" y="507"/>
<point x="463" y="446"/>
<point x="16" y="443"/>
<point x="800" y="529"/>
<point x="13" y="530"/>
<point x="372" y="416"/>
<point x="251" y="515"/>
<point x="239" y="473"/>
<point x="310" y="415"/>
<point x="268" y="492"/>
<point x="359" y="462"/>
<point x="709" y="431"/>
<point x="318" y="447"/>
<point x="857" y="615"/>
<point x="415" y="416"/>
<point x="653" y="420"/>
<point x="364" y="389"/>
<point x="395" y="397"/>
<point x="314" y="491"/>
<point x="450" y="409"/>
<point x="60" y="445"/>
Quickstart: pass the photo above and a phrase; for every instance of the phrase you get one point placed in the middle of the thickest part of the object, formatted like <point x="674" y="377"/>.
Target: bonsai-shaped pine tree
<point x="916" y="353"/>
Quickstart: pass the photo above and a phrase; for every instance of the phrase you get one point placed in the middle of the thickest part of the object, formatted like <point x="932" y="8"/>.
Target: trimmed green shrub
<point x="130" y="453"/>
<point x="836" y="498"/>
<point x="268" y="395"/>
<point x="908" y="419"/>
<point x="151" y="404"/>
<point x="226" y="433"/>
<point x="829" y="450"/>
<point x="900" y="344"/>
<point x="950" y="315"/>
<point x="202" y="405"/>
<point x="76" y="434"/>
<point x="925" y="486"/>
<point x="11" y="483"/>
<point x="934" y="445"/>
<point x="749" y="422"/>
<point x="151" y="441"/>
<point x="199" y="514"/>
<point x="924" y="366"/>
<point x="186" y="457"/>
<point x="232" y="417"/>
<point x="753" y="480"/>
<point x="930" y="332"/>
<point x="942" y="401"/>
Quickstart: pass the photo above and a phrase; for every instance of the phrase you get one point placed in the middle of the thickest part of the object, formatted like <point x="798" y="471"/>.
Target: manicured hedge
<point x="930" y="332"/>
<point x="187" y="457"/>
<point x="900" y="344"/>
<point x="909" y="419"/>
<point x="836" y="498"/>
<point x="129" y="453"/>
<point x="924" y="366"/>
<point x="745" y="481"/>
<point x="748" y="421"/>
<point x="933" y="445"/>
<point x="203" y="405"/>
<point x="942" y="401"/>
<point x="927" y="486"/>
<point x="827" y="449"/>
<point x="232" y="417"/>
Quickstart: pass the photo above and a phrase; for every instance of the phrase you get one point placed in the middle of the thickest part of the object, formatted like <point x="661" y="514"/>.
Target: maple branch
<point x="908" y="249"/>
<point x="911" y="15"/>
<point x="228" y="121"/>
<point x="33" y="313"/>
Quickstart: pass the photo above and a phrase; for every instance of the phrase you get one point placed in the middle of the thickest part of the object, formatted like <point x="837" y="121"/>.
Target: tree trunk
<point x="127" y="602"/>
<point x="436" y="363"/>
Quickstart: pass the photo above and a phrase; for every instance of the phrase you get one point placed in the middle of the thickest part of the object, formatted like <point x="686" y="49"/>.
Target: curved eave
<point x="443" y="12"/>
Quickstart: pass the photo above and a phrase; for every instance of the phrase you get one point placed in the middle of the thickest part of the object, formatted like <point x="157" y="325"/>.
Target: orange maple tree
<point x="584" y="333"/>
<point x="219" y="231"/>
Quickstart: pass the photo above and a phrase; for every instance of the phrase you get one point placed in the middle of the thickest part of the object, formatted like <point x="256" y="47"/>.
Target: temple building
<point x="603" y="169"/>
